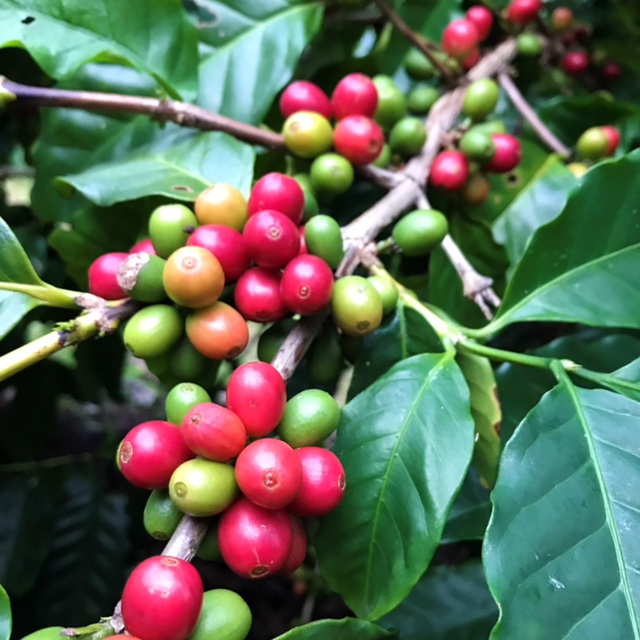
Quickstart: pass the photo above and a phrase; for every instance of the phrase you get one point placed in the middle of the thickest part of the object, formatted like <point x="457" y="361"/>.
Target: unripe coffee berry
<point x="152" y="331"/>
<point x="481" y="98"/>
<point x="593" y="144"/>
<point x="392" y="104"/>
<point x="420" y="231"/>
<point x="323" y="238"/>
<point x="161" y="517"/>
<point x="277" y="192"/>
<point x="103" y="276"/>
<point x="359" y="139"/>
<point x="225" y="616"/>
<point x="169" y="228"/>
<point x="181" y="399"/>
<point x="140" y="276"/>
<point x="307" y="134"/>
<point x="561" y="18"/>
<point x="302" y="95"/>
<point x="218" y="332"/>
<point x="355" y="94"/>
<point x="221" y="204"/>
<point x="407" y="137"/>
<point x="356" y="306"/>
<point x="331" y="174"/>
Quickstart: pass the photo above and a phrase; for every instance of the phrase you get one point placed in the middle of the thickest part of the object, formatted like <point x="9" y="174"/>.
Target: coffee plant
<point x="319" y="319"/>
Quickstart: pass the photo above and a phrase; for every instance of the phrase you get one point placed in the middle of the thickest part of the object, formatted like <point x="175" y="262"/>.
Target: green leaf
<point x="345" y="629"/>
<point x="251" y="52"/>
<point x="449" y="603"/>
<point x="624" y="380"/>
<point x="405" y="443"/>
<point x="179" y="166"/>
<point x="578" y="267"/>
<point x="63" y="37"/>
<point x="486" y="412"/>
<point x="470" y="512"/>
<point x="5" y="615"/>
<point x="561" y="553"/>
<point x="403" y="334"/>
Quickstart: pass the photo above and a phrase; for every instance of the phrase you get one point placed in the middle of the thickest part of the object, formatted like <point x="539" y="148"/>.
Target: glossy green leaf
<point x="561" y="553"/>
<point x="405" y="443"/>
<point x="5" y="615"/>
<point x="625" y="380"/>
<point x="403" y="334"/>
<point x="578" y="267"/>
<point x="449" y="603"/>
<point x="344" y="629"/>
<point x="486" y="412"/>
<point x="179" y="166"/>
<point x="252" y="50"/>
<point x="61" y="37"/>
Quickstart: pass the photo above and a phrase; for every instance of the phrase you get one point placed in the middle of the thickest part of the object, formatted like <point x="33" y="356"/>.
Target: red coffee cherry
<point x="561" y="18"/>
<point x="471" y="60"/>
<point x="611" y="71"/>
<point x="151" y="452"/>
<point x="449" y="171"/>
<point x="507" y="156"/>
<point x="575" y="63"/>
<point x="257" y="295"/>
<point x="359" y="139"/>
<point x="162" y="599"/>
<point x="143" y="246"/>
<point x="355" y="94"/>
<point x="614" y="138"/>
<point x="256" y="393"/>
<point x="103" y="276"/>
<point x="523" y="12"/>
<point x="218" y="332"/>
<point x="459" y="38"/>
<point x="224" y="243"/>
<point x="254" y="542"/>
<point x="277" y="192"/>
<point x="298" y="547"/>
<point x="271" y="239"/>
<point x="307" y="285"/>
<point x="213" y="432"/>
<point x="269" y="473"/>
<point x="323" y="482"/>
<point x="304" y="96"/>
<point x="482" y="18"/>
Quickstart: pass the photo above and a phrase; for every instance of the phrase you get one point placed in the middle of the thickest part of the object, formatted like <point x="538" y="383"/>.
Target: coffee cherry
<point x="420" y="231"/>
<point x="331" y="174"/>
<point x="221" y="204"/>
<point x="271" y="340"/>
<point x="209" y="549"/>
<point x="143" y="246"/>
<point x="418" y="66"/>
<point x="477" y="145"/>
<point x="476" y="189"/>
<point x="449" y="170"/>
<point x="391" y="102"/>
<point x="202" y="488"/>
<point x="575" y="63"/>
<point x="528" y="44"/>
<point x="152" y="330"/>
<point x="578" y="169"/>
<point x="323" y="483"/>
<point x="561" y="18"/>
<point x="355" y="94"/>
<point x="226" y="244"/>
<point x="359" y="139"/>
<point x="507" y="156"/>
<point x="181" y="399"/>
<point x="310" y="417"/>
<point x="140" y="276"/>
<point x="193" y="277"/>
<point x="459" y="38"/>
<point x="255" y="542"/>
<point x="323" y="238"/>
<point x="613" y="136"/>
<point x="481" y="98"/>
<point x="611" y="71"/>
<point x="257" y="295"/>
<point x="161" y="517"/>
<point x="151" y="452"/>
<point x="162" y="599"/>
<point x="492" y="126"/>
<point x="482" y="18"/>
<point x="218" y="332"/>
<point x="224" y="616"/>
<point x="277" y="192"/>
<point x="304" y="96"/>
<point x="522" y="12"/>
<point x="471" y="60"/>
<point x="422" y="98"/>
<point x="213" y="432"/>
<point x="384" y="159"/>
<point x="388" y="292"/>
<point x="298" y="551"/>
<point x="103" y="276"/>
<point x="307" y="134"/>
<point x="407" y="137"/>
<point x="185" y="362"/>
<point x="256" y="393"/>
<point x="306" y="285"/>
<point x="593" y="144"/>
<point x="324" y="357"/>
<point x="169" y="228"/>
<point x="356" y="306"/>
<point x="271" y="239"/>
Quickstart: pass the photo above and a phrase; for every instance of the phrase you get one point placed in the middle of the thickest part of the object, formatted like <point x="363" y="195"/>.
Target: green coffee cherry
<point x="477" y="145"/>
<point x="418" y="66"/>
<point x="593" y="144"/>
<point x="182" y="398"/>
<point x="384" y="159"/>
<point x="528" y="44"/>
<point x="420" y="231"/>
<point x="307" y="134"/>
<point x="331" y="174"/>
<point x="48" y="633"/>
<point x="422" y="98"/>
<point x="153" y="330"/>
<point x="391" y="102"/>
<point x="224" y="616"/>
<point x="323" y="238"/>
<point x="310" y="417"/>
<point x="169" y="228"/>
<point x="187" y="363"/>
<point x="492" y="126"/>
<point x="481" y="98"/>
<point x="271" y="340"/>
<point x="161" y="516"/>
<point x="356" y="306"/>
<point x="407" y="137"/>
<point x="388" y="293"/>
<point x="209" y="548"/>
<point x="324" y="357"/>
<point x="140" y="276"/>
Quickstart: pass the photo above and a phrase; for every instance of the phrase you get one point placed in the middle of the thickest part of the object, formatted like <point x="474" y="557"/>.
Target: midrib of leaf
<point x="447" y="355"/>
<point x="606" y="499"/>
<point x="403" y="328"/>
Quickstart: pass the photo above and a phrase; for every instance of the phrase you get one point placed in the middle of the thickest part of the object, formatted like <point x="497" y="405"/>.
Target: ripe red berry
<point x="257" y="295"/>
<point x="507" y="156"/>
<point x="143" y="246"/>
<point x="271" y="239"/>
<point x="103" y="276"/>
<point x="162" y="599"/>
<point x="303" y="242"/>
<point x="151" y="452"/>
<point x="523" y="12"/>
<point x="224" y="243"/>
<point x="611" y="71"/>
<point x="575" y="63"/>
<point x="269" y="473"/>
<point x="277" y="192"/>
<point x="355" y="94"/>
<point x="213" y="432"/>
<point x="471" y="60"/>
<point x="298" y="547"/>
<point x="459" y="38"/>
<point x="614" y="137"/>
<point x="307" y="285"/>
<point x="359" y="139"/>
<point x="323" y="482"/>
<point x="256" y="393"/>
<point x="254" y="542"/>
<point x="482" y="18"/>
<point x="304" y="96"/>
<point x="450" y="170"/>
<point x="561" y="18"/>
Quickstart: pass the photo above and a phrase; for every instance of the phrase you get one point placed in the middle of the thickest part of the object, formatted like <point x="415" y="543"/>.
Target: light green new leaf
<point x="561" y="553"/>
